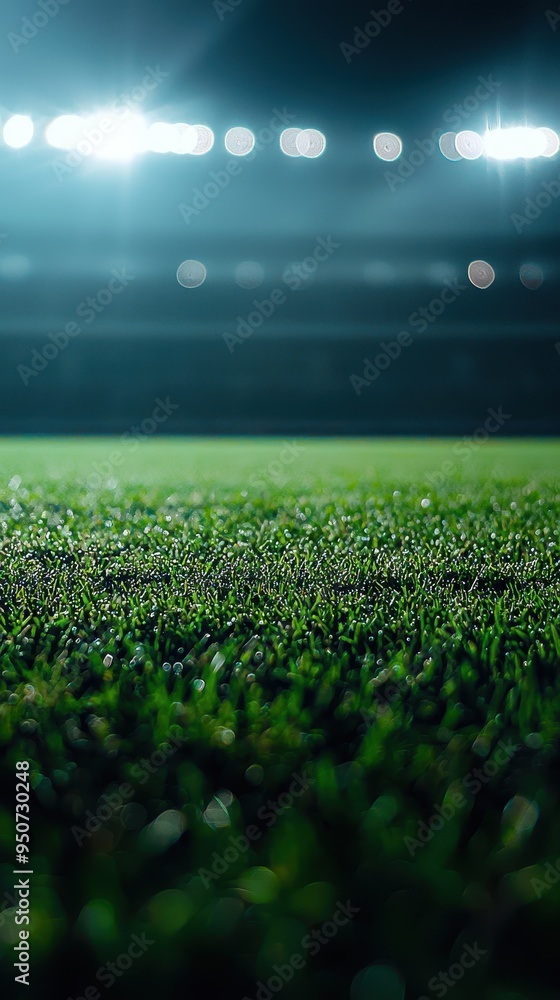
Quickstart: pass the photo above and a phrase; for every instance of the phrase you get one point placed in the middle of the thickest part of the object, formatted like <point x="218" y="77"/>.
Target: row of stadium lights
<point x="192" y="274"/>
<point x="116" y="138"/>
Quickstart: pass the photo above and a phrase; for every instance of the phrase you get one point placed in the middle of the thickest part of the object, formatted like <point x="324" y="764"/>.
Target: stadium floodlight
<point x="521" y="143"/>
<point x="481" y="274"/>
<point x="310" y="143"/>
<point x="18" y="131"/>
<point x="552" y="141"/>
<point x="470" y="145"/>
<point x="65" y="131"/>
<point x="387" y="146"/>
<point x="239" y="141"/>
<point x="288" y="141"/>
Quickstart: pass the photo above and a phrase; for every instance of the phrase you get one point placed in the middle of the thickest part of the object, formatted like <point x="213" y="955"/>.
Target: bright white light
<point x="64" y="132"/>
<point x="18" y="131"/>
<point x="239" y="141"/>
<point x="469" y="144"/>
<point x="481" y="274"/>
<point x="103" y="134"/>
<point x="179" y="138"/>
<point x="387" y="146"/>
<point x="552" y="141"/>
<point x="205" y="140"/>
<point x="448" y="147"/>
<point x="288" y="141"/>
<point x="121" y="139"/>
<point x="191" y="274"/>
<point x="184" y="138"/>
<point x="515" y="143"/>
<point x="310" y="143"/>
<point x="160" y="137"/>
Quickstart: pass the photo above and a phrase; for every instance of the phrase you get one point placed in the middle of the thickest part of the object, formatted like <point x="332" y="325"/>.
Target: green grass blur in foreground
<point x="268" y="608"/>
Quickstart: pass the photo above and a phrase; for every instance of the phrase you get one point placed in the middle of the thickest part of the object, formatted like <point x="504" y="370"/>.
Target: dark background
<point x="61" y="239"/>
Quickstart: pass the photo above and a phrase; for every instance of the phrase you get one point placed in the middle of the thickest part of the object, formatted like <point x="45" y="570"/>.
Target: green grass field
<point x="349" y="648"/>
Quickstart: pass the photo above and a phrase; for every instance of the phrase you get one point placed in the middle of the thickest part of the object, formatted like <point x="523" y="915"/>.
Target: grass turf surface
<point x="262" y="611"/>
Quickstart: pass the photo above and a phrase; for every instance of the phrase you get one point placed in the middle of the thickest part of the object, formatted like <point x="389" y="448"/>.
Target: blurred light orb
<point x="65" y="131"/>
<point x="184" y="138"/>
<point x="531" y="276"/>
<point x="205" y="140"/>
<point x="14" y="267"/>
<point x="160" y="137"/>
<point x="133" y="816"/>
<point x="441" y="271"/>
<point x="249" y="274"/>
<point x="18" y="131"/>
<point x="378" y="981"/>
<point x="254" y="774"/>
<point x="191" y="274"/>
<point x="481" y="274"/>
<point x="379" y="274"/>
<point x="97" y="920"/>
<point x="310" y="143"/>
<point x="387" y="146"/>
<point x="239" y="141"/>
<point x="520" y="815"/>
<point x="288" y="141"/>
<point x="470" y="145"/>
<point x="447" y="146"/>
<point x="515" y="143"/>
<point x="124" y="140"/>
<point x="552" y="141"/>
<point x="216" y="815"/>
<point x="165" y="830"/>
